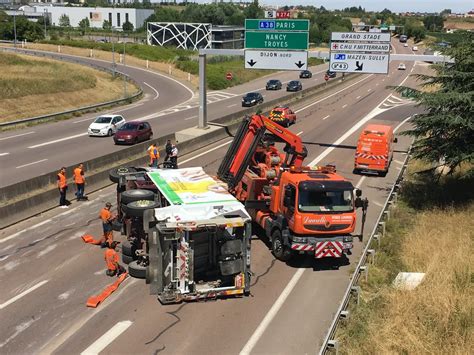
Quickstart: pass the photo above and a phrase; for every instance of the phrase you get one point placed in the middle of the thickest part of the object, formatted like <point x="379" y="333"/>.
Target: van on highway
<point x="374" y="149"/>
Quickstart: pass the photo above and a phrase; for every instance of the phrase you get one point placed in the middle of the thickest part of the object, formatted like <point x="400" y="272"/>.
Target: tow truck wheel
<point x="114" y="173"/>
<point x="136" y="195"/>
<point x="280" y="251"/>
<point x="128" y="248"/>
<point x="136" y="270"/>
<point x="136" y="208"/>
<point x="231" y="247"/>
<point x="230" y="267"/>
<point x="126" y="259"/>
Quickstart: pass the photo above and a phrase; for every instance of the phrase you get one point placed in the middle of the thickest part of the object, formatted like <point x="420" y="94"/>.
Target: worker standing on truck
<point x="62" y="186"/>
<point x="111" y="260"/>
<point x="154" y="155"/>
<point x="107" y="219"/>
<point x="80" y="181"/>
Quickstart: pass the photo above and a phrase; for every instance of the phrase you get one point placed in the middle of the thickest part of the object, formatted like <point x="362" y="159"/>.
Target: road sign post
<point x="355" y="52"/>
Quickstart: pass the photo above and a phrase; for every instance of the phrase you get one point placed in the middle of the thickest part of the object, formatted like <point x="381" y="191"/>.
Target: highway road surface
<point x="169" y="105"/>
<point x="47" y="272"/>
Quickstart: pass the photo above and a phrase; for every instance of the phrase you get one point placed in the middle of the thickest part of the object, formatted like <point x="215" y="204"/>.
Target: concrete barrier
<point x="31" y="197"/>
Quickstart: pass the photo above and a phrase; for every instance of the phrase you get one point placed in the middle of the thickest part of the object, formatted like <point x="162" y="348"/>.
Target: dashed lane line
<point x="32" y="163"/>
<point x="3" y="154"/>
<point x="24" y="293"/>
<point x="16" y="135"/>
<point x="58" y="140"/>
<point x="101" y="343"/>
<point x="325" y="117"/>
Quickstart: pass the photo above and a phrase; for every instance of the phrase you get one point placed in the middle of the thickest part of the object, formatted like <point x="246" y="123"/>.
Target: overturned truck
<point x="186" y="234"/>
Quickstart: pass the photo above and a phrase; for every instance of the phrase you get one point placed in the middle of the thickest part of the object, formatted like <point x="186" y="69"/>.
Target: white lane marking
<point x="58" y="140"/>
<point x="344" y="106"/>
<point x="398" y="161"/>
<point x="101" y="343"/>
<point x="16" y="135"/>
<point x="271" y="313"/>
<point x="376" y="84"/>
<point x="299" y="133"/>
<point x="232" y="105"/>
<point x="359" y="183"/>
<point x="326" y="117"/>
<point x="24" y="230"/>
<point x="376" y="203"/>
<point x="333" y="94"/>
<point x="18" y="329"/>
<point x="206" y="152"/>
<point x="85" y="119"/>
<point x="358" y="97"/>
<point x="190" y="118"/>
<point x="3" y="154"/>
<point x="369" y="90"/>
<point x="47" y="250"/>
<point x="24" y="293"/>
<point x="10" y="265"/>
<point x="157" y="94"/>
<point x="35" y="162"/>
<point x="65" y="295"/>
<point x="401" y="124"/>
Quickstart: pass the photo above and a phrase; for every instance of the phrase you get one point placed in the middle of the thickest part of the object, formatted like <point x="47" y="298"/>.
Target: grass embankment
<point x="184" y="61"/>
<point x="31" y="87"/>
<point x="431" y="232"/>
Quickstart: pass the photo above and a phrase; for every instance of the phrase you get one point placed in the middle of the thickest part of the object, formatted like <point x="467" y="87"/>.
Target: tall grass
<point x="434" y="236"/>
<point x="23" y="77"/>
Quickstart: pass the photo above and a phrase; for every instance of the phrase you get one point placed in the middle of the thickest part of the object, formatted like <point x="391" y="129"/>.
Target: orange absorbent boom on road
<point x="94" y="301"/>
<point x="87" y="238"/>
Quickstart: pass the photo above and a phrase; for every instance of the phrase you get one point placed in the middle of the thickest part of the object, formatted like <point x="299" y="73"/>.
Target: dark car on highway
<point x="331" y="74"/>
<point x="306" y="74"/>
<point x="252" y="99"/>
<point x="133" y="132"/>
<point x="294" y="85"/>
<point x="273" y="84"/>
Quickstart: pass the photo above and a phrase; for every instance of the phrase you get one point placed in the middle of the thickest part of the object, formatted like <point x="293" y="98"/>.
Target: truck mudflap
<point x="325" y="249"/>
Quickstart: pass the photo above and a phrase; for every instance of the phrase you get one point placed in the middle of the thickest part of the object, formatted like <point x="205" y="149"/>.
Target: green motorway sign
<point x="276" y="40"/>
<point x="276" y="25"/>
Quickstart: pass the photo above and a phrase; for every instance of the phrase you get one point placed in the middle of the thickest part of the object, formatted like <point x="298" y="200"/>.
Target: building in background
<point x="194" y="36"/>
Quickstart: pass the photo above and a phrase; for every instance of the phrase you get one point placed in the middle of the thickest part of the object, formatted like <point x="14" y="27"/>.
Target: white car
<point x="402" y="66"/>
<point x="105" y="125"/>
<point x="405" y="45"/>
<point x="415" y="48"/>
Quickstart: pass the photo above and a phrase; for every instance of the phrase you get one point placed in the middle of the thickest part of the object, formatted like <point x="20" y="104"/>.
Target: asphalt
<point x="168" y="104"/>
<point x="48" y="273"/>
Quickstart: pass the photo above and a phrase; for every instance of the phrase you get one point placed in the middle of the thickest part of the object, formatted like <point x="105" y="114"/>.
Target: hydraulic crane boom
<point x="249" y="135"/>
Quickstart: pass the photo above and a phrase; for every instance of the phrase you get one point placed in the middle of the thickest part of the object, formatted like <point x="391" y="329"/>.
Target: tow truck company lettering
<point x="322" y="219"/>
<point x="276" y="40"/>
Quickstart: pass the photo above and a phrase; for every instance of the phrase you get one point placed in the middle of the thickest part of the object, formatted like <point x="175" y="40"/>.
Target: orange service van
<point x="374" y="149"/>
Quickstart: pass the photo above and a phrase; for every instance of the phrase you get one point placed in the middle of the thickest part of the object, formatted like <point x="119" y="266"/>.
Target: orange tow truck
<point x="301" y="209"/>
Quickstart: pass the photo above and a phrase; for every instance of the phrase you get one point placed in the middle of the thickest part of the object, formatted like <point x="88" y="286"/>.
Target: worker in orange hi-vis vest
<point x="154" y="155"/>
<point x="62" y="186"/>
<point x="80" y="181"/>
<point x="112" y="261"/>
<point x="107" y="219"/>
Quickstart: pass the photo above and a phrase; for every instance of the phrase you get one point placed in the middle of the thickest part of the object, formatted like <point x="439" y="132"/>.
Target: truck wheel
<point x="230" y="267"/>
<point x="231" y="247"/>
<point x="114" y="173"/>
<point x="136" y="195"/>
<point x="280" y="251"/>
<point x="136" y="208"/>
<point x="136" y="270"/>
<point x="127" y="259"/>
<point x="128" y="248"/>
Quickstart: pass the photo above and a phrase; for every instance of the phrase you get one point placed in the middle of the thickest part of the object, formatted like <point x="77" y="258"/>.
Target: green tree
<point x="84" y="25"/>
<point x="106" y="25"/>
<point x="127" y="26"/>
<point x="445" y="131"/>
<point x="433" y="23"/>
<point x="64" y="21"/>
<point x="253" y="10"/>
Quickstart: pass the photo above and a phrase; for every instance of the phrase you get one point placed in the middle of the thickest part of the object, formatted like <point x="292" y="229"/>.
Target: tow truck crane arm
<point x="249" y="135"/>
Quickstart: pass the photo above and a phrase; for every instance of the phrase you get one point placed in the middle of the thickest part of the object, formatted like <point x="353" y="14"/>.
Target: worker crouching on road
<point x="107" y="219"/>
<point x="80" y="181"/>
<point x="112" y="261"/>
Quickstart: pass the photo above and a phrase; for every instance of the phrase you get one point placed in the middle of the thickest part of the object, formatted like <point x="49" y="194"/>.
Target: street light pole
<point x="14" y="28"/>
<point x="44" y="19"/>
<point x="112" y="39"/>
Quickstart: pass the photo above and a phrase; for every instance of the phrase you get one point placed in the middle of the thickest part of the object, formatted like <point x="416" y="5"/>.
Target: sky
<point x="458" y="6"/>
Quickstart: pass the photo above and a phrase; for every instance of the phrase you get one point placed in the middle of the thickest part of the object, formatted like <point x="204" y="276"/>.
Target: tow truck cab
<point x="187" y="231"/>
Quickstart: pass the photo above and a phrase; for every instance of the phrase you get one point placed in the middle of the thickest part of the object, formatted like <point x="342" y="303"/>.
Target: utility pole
<point x="14" y="28"/>
<point x="124" y="76"/>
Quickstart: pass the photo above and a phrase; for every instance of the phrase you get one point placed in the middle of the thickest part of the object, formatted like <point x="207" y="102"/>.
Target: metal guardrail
<point x="330" y="343"/>
<point x="80" y="109"/>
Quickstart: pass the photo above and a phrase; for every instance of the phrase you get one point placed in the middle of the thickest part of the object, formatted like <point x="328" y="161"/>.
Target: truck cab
<point x="189" y="235"/>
